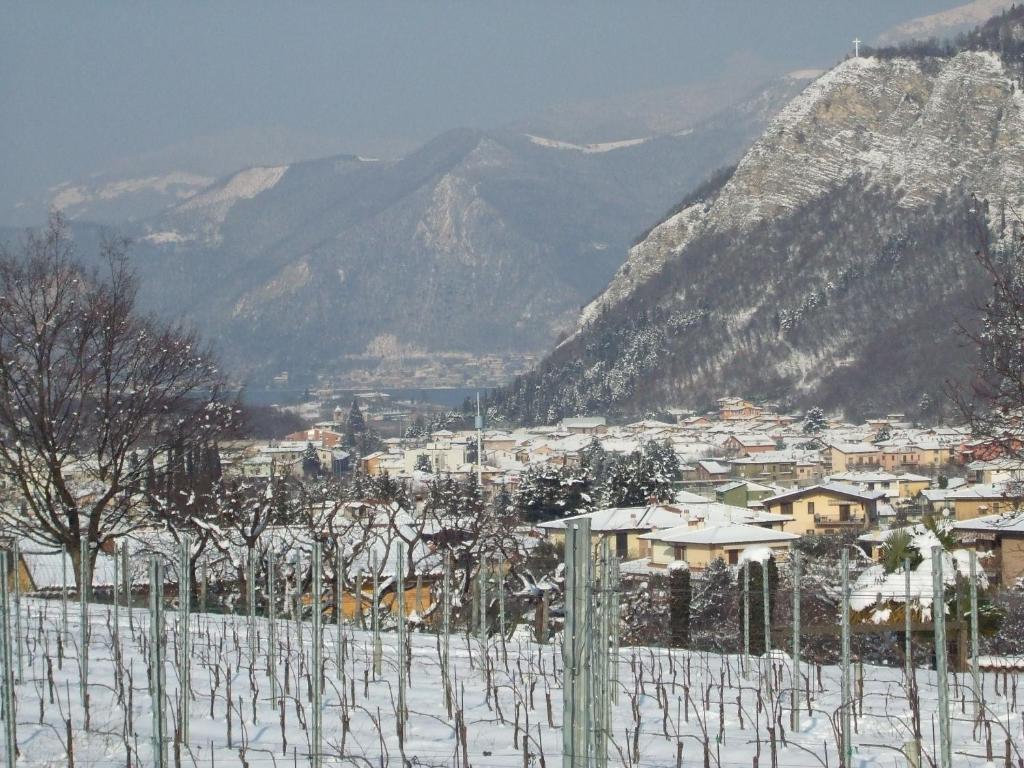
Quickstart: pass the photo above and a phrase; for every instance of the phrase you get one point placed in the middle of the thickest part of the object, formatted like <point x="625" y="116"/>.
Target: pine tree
<point x="547" y="492"/>
<point x="814" y="421"/>
<point x="356" y="426"/>
<point x="503" y="506"/>
<point x="643" y="476"/>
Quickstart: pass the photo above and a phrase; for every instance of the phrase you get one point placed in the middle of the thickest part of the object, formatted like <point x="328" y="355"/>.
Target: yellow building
<point x="827" y="508"/>
<point x="980" y="500"/>
<point x="623" y="526"/>
<point x="699" y="547"/>
<point x="999" y="540"/>
<point x="844" y="457"/>
<point x="737" y="409"/>
<point x="903" y="486"/>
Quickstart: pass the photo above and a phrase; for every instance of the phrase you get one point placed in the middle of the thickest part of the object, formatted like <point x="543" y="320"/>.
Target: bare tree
<point x="92" y="393"/>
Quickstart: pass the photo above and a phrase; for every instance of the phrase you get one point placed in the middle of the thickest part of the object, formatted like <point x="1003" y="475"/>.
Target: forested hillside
<point x="834" y="264"/>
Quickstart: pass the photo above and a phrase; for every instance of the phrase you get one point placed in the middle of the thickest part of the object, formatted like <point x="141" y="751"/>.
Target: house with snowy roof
<point x="742" y="493"/>
<point x="746" y="445"/>
<point x="443" y="455"/>
<point x="999" y="541"/>
<point x="737" y="409"/>
<point x="928" y="452"/>
<point x="709" y="471"/>
<point x="621" y="525"/>
<point x="1002" y="470"/>
<point x="843" y="457"/>
<point x="700" y="546"/>
<point x="585" y="425"/>
<point x="827" y="508"/>
<point x="767" y="467"/>
<point x="935" y="498"/>
<point x="980" y="500"/>
<point x="905" y="485"/>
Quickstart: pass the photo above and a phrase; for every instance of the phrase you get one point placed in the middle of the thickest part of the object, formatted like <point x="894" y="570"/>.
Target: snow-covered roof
<point x="734" y="533"/>
<point x="842" y="489"/>
<point x="753" y="440"/>
<point x="571" y="443"/>
<point x="716" y="513"/>
<point x="750" y="484"/>
<point x="639" y="567"/>
<point x="854" y="447"/>
<point x="981" y="491"/>
<point x="1001" y="463"/>
<point x="686" y="497"/>
<point x="877" y="477"/>
<point x="880" y="537"/>
<point x="1013" y="523"/>
<point x="714" y="467"/>
<point x="875" y="588"/>
<point x="649" y="424"/>
<point x="624" y="519"/>
<point x="583" y="422"/>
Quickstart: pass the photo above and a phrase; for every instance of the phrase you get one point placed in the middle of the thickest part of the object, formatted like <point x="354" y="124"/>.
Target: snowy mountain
<point x="944" y="23"/>
<point x="113" y="198"/>
<point x="140" y="185"/>
<point x="478" y="242"/>
<point x="833" y="264"/>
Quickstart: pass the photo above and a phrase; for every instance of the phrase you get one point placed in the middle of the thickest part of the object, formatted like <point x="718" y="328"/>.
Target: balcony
<point x="853" y="521"/>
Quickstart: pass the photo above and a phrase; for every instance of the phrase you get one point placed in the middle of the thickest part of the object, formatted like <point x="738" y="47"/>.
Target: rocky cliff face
<point x="922" y="128"/>
<point x="818" y="258"/>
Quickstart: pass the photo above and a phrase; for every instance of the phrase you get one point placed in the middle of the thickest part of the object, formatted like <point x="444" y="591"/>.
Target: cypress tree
<point x="680" y="594"/>
<point x="757" y="618"/>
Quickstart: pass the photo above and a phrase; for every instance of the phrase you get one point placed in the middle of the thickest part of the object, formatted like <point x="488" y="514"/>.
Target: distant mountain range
<point x="944" y="23"/>
<point x="478" y="242"/>
<point x="833" y="265"/>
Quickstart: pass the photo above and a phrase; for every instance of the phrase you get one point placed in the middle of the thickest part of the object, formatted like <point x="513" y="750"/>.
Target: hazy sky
<point x="87" y="84"/>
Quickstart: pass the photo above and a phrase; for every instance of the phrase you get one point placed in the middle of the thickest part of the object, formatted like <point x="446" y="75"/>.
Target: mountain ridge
<point x="479" y="242"/>
<point x="902" y="142"/>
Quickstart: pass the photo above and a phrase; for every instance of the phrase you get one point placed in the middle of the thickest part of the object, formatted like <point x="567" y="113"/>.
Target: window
<point x="787" y="508"/>
<point x="679" y="552"/>
<point x="844" y="513"/>
<point x="621" y="544"/>
<point x="734" y="557"/>
<point x="810" y="507"/>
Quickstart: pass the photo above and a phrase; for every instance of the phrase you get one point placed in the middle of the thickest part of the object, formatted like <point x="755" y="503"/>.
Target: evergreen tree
<point x="713" y="615"/>
<point x="470" y="498"/>
<point x="503" y="506"/>
<point x="547" y="492"/>
<point x="311" y="462"/>
<point x="680" y="597"/>
<point x="814" y="421"/>
<point x="643" y="476"/>
<point x="645" y="614"/>
<point x="757" y="618"/>
<point x="356" y="426"/>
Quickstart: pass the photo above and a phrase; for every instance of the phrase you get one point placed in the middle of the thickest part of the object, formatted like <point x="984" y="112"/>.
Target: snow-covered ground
<point x="508" y="699"/>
